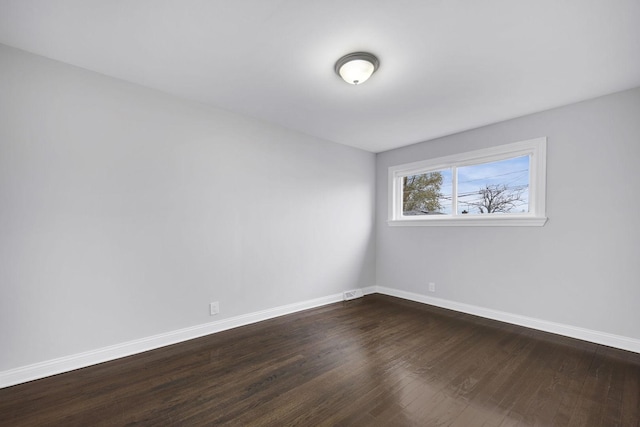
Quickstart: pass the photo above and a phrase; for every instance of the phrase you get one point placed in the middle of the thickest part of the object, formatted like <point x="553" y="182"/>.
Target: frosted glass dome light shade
<point x="356" y="68"/>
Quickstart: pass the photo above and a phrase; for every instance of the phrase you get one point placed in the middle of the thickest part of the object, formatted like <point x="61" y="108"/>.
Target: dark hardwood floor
<point x="375" y="361"/>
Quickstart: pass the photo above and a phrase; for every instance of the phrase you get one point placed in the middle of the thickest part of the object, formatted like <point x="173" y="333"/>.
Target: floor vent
<point x="356" y="293"/>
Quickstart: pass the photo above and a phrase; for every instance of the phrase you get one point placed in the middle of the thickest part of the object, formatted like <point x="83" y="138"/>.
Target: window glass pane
<point x="427" y="194"/>
<point x="494" y="187"/>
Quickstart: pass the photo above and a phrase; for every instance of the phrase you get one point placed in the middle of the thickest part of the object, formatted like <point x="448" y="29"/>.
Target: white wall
<point x="125" y="211"/>
<point x="581" y="269"/>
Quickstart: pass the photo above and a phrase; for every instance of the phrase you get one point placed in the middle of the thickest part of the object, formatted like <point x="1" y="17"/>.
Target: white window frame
<point x="536" y="217"/>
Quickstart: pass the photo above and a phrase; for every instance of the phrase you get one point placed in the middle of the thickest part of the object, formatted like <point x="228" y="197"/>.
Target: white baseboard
<point x="617" y="341"/>
<point x="105" y="354"/>
<point x="81" y="360"/>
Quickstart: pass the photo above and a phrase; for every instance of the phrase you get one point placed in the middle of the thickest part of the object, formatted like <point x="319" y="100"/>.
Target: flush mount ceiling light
<point x="357" y="67"/>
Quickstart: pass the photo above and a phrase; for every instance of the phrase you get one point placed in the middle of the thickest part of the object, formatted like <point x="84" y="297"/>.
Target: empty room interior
<point x="276" y="212"/>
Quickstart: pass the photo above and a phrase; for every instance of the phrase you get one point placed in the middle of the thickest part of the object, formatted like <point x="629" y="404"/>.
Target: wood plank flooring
<point x="374" y="361"/>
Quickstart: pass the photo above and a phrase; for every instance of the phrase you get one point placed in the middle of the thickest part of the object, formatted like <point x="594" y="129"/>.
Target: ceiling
<point x="445" y="65"/>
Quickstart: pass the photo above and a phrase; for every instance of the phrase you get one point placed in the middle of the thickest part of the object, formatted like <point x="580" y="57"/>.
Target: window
<point x="497" y="186"/>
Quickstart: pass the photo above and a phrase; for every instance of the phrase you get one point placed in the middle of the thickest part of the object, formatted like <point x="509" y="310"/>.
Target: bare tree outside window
<point x="497" y="187"/>
<point x="499" y="198"/>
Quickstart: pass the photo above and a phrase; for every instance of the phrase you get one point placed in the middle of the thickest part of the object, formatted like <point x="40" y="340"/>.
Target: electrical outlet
<point x="214" y="308"/>
<point x="432" y="287"/>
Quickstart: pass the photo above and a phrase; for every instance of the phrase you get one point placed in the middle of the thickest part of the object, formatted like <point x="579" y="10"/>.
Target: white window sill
<point x="472" y="221"/>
